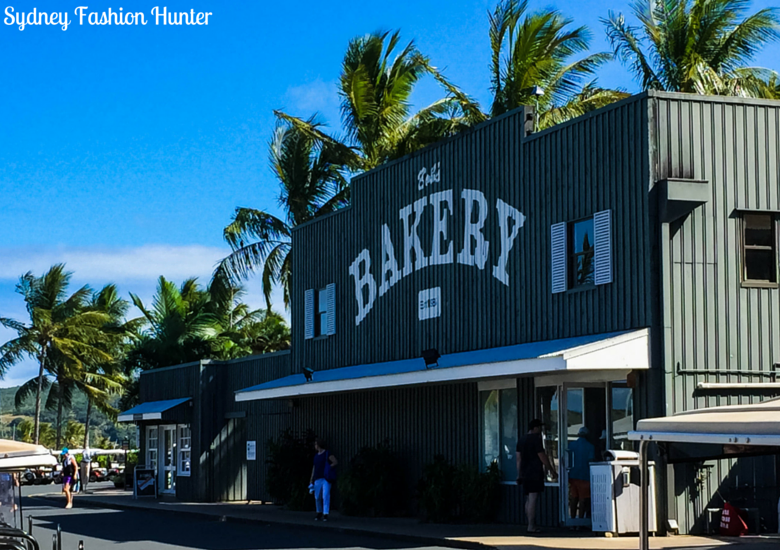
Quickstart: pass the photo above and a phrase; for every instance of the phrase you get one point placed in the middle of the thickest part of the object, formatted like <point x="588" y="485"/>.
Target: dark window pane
<point x="760" y="265"/>
<point x="322" y="301"/>
<point x="759" y="230"/>
<point x="582" y="234"/>
<point x="585" y="269"/>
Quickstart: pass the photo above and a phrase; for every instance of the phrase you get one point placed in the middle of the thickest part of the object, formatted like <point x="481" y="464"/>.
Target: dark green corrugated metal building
<point x="618" y="266"/>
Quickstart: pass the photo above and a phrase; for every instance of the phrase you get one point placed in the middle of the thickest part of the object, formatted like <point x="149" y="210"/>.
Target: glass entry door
<point x="583" y="435"/>
<point x="168" y="463"/>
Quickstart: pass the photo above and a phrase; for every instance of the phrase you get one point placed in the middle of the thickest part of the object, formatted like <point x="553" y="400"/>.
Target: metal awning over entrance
<point x="618" y="351"/>
<point x="756" y="424"/>
<point x="738" y="426"/>
<point x="151" y="410"/>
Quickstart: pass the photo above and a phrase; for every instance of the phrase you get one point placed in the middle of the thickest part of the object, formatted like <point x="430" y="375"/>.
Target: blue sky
<point x="124" y="150"/>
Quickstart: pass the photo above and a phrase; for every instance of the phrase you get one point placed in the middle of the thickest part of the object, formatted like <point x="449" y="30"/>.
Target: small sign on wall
<point x="429" y="303"/>
<point x="251" y="450"/>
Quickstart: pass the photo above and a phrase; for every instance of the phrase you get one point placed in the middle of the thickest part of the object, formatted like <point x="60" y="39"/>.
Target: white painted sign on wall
<point x="429" y="303"/>
<point x="251" y="450"/>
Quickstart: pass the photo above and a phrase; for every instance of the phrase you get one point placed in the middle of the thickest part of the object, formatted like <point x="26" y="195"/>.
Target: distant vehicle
<point x="118" y="471"/>
<point x="98" y="474"/>
<point x="37" y="477"/>
<point x="28" y="477"/>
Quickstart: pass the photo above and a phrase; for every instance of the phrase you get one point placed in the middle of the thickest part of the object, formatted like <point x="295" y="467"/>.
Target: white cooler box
<point x="614" y="493"/>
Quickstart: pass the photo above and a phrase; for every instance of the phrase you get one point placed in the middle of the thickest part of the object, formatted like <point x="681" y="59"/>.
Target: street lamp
<point x="538" y="92"/>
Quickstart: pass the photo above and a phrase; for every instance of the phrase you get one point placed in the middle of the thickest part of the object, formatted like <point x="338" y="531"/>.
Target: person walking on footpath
<point x="323" y="474"/>
<point x="86" y="467"/>
<point x="582" y="454"/>
<point x="69" y="473"/>
<point x="531" y="462"/>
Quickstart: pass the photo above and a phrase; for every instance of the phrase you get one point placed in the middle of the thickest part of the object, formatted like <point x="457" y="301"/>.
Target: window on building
<point x="548" y="401"/>
<point x="499" y="430"/>
<point x="151" y="447"/>
<point x="321" y="313"/>
<point x="581" y="253"/>
<point x="759" y="249"/>
<point x="185" y="450"/>
<point x="622" y="417"/>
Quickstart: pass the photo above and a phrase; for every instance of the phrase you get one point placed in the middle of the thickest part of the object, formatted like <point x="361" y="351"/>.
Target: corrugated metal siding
<point x="565" y="173"/>
<point x="169" y="383"/>
<point x="219" y="381"/>
<point x="419" y="422"/>
<point x="715" y="324"/>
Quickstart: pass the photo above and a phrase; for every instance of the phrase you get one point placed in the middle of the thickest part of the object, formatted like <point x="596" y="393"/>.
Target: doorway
<point x="604" y="408"/>
<point x="168" y="464"/>
<point x="583" y="440"/>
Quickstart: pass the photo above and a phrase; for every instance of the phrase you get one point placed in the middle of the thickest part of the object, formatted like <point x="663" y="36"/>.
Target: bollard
<point x="81" y="545"/>
<point x="53" y="542"/>
<point x="30" y="525"/>
<point x="59" y="537"/>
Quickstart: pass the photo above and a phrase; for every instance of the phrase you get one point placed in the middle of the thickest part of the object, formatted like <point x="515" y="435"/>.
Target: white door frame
<point x="563" y="446"/>
<point x="163" y="456"/>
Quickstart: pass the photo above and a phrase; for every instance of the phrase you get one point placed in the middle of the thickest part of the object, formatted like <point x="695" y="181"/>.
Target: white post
<point x="644" y="475"/>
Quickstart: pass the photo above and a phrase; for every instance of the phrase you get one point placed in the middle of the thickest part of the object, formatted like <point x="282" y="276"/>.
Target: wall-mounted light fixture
<point x="431" y="358"/>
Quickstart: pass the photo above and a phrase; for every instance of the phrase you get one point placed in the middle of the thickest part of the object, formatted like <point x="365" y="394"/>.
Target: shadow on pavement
<point x="138" y="526"/>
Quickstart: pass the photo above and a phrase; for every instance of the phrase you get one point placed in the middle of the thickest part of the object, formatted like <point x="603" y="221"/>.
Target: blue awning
<point x="151" y="410"/>
<point x="610" y="351"/>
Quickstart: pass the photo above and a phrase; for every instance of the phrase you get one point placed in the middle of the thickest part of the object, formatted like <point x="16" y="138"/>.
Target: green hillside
<point x="100" y="425"/>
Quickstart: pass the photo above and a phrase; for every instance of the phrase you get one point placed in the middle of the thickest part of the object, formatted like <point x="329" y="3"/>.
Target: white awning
<point x="16" y="455"/>
<point x="617" y="351"/>
<point x="756" y="424"/>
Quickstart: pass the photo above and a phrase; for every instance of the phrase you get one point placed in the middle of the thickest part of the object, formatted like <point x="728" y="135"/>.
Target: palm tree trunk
<point x="86" y="423"/>
<point x="42" y="359"/>
<point x="59" y="414"/>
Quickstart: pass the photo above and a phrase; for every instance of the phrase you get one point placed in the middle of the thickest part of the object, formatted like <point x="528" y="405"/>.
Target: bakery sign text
<point x="472" y="249"/>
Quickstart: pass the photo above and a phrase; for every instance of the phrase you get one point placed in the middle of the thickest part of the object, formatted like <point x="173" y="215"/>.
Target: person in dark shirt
<point x="531" y="461"/>
<point x="322" y="476"/>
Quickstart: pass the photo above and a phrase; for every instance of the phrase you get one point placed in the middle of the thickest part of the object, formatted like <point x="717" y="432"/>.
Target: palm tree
<point x="698" y="46"/>
<point x="312" y="184"/>
<point x="534" y="52"/>
<point x="375" y="87"/>
<point x="243" y="331"/>
<point x="60" y="329"/>
<point x="100" y="381"/>
<point x="179" y="326"/>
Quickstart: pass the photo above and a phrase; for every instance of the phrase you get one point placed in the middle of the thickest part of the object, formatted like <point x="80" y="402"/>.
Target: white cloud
<point x="134" y="270"/>
<point x="120" y="264"/>
<point x="317" y="96"/>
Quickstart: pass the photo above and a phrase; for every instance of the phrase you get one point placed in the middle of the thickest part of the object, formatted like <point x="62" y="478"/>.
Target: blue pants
<point x="322" y="495"/>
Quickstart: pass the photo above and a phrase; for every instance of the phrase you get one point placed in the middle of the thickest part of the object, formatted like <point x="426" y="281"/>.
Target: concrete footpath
<point x="509" y="537"/>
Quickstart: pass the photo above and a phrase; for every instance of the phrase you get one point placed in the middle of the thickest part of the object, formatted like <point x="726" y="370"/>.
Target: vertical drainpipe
<point x="204" y="472"/>
<point x="644" y="473"/>
<point x="669" y="373"/>
<point x="665" y="288"/>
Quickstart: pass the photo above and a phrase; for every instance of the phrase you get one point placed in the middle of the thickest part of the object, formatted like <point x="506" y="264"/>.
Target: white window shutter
<point x="558" y="234"/>
<point x="331" y="290"/>
<point x="602" y="254"/>
<point x="308" y="332"/>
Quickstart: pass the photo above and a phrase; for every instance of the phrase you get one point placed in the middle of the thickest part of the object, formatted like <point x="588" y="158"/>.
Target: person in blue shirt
<point x="322" y="476"/>
<point x="582" y="453"/>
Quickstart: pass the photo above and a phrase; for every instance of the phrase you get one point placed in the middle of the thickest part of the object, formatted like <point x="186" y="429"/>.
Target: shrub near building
<point x="290" y="461"/>
<point x="374" y="484"/>
<point x="458" y="494"/>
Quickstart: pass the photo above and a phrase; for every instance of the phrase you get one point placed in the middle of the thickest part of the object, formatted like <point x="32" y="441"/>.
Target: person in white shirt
<point x="86" y="466"/>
